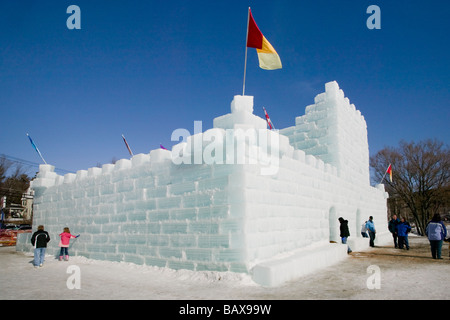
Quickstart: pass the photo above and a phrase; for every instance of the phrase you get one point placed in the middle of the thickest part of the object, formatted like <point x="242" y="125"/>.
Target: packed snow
<point x="404" y="275"/>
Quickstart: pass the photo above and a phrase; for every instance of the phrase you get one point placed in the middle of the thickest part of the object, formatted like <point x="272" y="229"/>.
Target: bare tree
<point x="5" y="164"/>
<point x="14" y="184"/>
<point x="421" y="173"/>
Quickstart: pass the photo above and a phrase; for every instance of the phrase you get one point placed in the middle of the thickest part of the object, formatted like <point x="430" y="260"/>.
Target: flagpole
<point x="128" y="147"/>
<point x="246" y="39"/>
<point x="385" y="173"/>
<point x="383" y="177"/>
<point x="36" y="148"/>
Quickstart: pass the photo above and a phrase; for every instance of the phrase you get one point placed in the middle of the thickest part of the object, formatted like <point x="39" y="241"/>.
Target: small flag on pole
<point x="36" y="148"/>
<point x="267" y="56"/>
<point x="269" y="122"/>
<point x="389" y="170"/>
<point x="128" y="147"/>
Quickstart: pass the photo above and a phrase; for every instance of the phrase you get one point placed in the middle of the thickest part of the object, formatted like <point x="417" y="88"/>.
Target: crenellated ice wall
<point x="334" y="131"/>
<point x="237" y="197"/>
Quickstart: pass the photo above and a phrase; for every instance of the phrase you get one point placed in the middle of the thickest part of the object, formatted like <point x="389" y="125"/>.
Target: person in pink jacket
<point x="64" y="244"/>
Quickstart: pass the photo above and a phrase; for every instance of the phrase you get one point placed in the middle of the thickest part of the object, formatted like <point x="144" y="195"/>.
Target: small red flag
<point x="269" y="122"/>
<point x="389" y="170"/>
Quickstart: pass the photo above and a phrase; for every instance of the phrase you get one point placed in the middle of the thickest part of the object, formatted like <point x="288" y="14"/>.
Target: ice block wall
<point x="334" y="131"/>
<point x="145" y="210"/>
<point x="234" y="210"/>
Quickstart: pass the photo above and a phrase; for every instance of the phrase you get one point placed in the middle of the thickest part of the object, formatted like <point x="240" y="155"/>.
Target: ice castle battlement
<point x="222" y="213"/>
<point x="334" y="131"/>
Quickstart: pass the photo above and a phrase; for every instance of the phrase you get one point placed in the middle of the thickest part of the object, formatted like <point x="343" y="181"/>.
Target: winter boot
<point x="67" y="258"/>
<point x="60" y="258"/>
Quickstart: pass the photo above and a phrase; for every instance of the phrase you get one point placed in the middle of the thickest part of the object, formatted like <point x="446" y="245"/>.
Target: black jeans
<point x="403" y="241"/>
<point x="394" y="235"/>
<point x="436" y="248"/>
<point x="64" y="251"/>
<point x="372" y="238"/>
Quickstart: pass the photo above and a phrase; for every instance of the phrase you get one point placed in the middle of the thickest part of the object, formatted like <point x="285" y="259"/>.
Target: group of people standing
<point x="435" y="231"/>
<point x="400" y="228"/>
<point x="39" y="240"/>
<point x="367" y="227"/>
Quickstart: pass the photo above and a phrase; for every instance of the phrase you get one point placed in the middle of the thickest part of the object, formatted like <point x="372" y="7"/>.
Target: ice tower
<point x="237" y="197"/>
<point x="335" y="132"/>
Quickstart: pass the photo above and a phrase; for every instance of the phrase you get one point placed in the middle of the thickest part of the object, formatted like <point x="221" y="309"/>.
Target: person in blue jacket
<point x="371" y="228"/>
<point x="403" y="228"/>
<point x="436" y="233"/>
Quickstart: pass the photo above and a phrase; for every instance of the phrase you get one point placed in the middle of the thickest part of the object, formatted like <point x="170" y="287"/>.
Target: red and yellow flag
<point x="389" y="170"/>
<point x="267" y="56"/>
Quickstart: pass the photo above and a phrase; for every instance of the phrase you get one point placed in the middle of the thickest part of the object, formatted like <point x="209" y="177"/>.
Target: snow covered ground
<point x="402" y="274"/>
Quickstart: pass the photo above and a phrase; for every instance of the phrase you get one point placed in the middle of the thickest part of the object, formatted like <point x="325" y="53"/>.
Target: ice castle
<point x="237" y="197"/>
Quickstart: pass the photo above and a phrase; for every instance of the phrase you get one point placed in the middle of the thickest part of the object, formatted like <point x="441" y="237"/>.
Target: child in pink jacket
<point x="64" y="243"/>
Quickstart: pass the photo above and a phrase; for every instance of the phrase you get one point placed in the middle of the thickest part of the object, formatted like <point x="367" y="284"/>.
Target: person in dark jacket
<point x="403" y="228"/>
<point x="344" y="232"/>
<point x="39" y="240"/>
<point x="392" y="226"/>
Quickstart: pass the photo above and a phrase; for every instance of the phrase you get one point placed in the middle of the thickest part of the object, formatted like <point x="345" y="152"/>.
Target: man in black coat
<point x="345" y="233"/>
<point x="39" y="240"/>
<point x="392" y="226"/>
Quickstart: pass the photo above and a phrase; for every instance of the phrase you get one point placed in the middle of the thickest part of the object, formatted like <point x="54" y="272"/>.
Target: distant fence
<point x="9" y="237"/>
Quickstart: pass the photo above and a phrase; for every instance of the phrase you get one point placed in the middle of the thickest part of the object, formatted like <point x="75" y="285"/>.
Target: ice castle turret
<point x="335" y="132"/>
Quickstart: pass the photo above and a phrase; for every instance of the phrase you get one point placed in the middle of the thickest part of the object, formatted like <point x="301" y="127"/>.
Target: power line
<point x="31" y="163"/>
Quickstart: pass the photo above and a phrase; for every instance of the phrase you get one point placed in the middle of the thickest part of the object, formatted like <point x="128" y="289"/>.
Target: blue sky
<point x="146" y="68"/>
